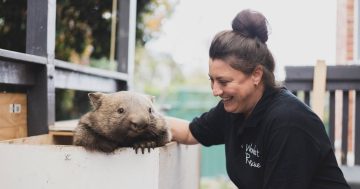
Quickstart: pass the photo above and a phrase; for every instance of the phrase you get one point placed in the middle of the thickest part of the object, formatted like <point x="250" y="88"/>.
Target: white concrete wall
<point x="179" y="167"/>
<point x="24" y="166"/>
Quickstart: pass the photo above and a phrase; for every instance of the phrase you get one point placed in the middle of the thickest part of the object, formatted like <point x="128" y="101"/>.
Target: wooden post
<point x="357" y="128"/>
<point x="40" y="40"/>
<point x="113" y="31"/>
<point x="319" y="84"/>
<point x="126" y="39"/>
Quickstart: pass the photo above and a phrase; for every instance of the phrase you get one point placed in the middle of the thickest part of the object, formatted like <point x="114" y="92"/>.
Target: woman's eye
<point x="150" y="110"/>
<point x="121" y="110"/>
<point x="223" y="82"/>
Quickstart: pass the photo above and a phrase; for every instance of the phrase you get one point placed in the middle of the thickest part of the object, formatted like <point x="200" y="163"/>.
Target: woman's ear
<point x="257" y="75"/>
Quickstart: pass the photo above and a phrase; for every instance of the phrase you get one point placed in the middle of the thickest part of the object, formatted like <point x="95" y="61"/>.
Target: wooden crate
<point x="13" y="115"/>
<point x="41" y="162"/>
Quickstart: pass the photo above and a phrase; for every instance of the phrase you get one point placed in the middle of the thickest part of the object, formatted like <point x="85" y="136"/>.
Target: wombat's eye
<point x="150" y="110"/>
<point x="121" y="110"/>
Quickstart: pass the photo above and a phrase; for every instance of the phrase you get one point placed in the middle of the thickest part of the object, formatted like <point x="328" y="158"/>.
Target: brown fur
<point x="121" y="119"/>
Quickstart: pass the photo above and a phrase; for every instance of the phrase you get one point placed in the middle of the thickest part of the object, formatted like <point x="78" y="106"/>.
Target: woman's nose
<point x="216" y="90"/>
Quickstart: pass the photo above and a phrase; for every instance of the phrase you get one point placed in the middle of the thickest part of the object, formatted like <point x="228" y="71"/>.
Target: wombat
<point x="121" y="119"/>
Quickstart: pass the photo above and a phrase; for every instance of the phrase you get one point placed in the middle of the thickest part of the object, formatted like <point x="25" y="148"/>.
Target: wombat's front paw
<point x="106" y="147"/>
<point x="143" y="145"/>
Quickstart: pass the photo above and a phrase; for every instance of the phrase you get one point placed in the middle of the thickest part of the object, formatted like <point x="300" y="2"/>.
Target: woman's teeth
<point x="226" y="99"/>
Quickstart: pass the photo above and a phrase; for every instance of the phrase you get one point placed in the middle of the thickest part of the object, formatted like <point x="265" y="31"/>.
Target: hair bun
<point x="251" y="24"/>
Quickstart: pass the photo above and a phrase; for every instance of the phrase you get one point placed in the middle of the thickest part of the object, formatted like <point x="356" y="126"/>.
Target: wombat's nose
<point x="138" y="123"/>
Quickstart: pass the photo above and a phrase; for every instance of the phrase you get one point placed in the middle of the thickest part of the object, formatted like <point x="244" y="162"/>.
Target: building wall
<point x="346" y="53"/>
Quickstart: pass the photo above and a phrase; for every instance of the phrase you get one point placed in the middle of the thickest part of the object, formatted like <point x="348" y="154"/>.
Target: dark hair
<point x="245" y="47"/>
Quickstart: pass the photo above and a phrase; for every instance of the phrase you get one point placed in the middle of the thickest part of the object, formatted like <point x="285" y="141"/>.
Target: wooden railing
<point x="343" y="101"/>
<point x="37" y="74"/>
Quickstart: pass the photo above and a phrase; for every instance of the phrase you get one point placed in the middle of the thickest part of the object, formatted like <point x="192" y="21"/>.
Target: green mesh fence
<point x="187" y="104"/>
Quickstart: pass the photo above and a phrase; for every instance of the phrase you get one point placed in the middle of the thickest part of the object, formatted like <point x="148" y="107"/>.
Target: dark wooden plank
<point x="84" y="78"/>
<point x="16" y="73"/>
<point x="339" y="77"/>
<point x="66" y="66"/>
<point x="37" y="104"/>
<point x="11" y="56"/>
<point x="332" y="118"/>
<point x="299" y="85"/>
<point x="50" y="85"/>
<point x="330" y="85"/>
<point x="343" y="72"/>
<point x="40" y="40"/>
<point x="357" y="129"/>
<point x="125" y="52"/>
<point x="345" y="122"/>
<point x="343" y="85"/>
<point x="307" y="97"/>
<point x="123" y="35"/>
<point x="299" y="73"/>
<point x="338" y="72"/>
<point x="85" y="82"/>
<point x="36" y="27"/>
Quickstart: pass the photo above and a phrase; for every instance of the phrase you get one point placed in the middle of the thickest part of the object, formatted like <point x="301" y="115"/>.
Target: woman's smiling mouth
<point x="226" y="99"/>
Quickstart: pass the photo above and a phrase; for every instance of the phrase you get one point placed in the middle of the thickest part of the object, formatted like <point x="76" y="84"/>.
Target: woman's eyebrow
<point x="213" y="77"/>
<point x="219" y="77"/>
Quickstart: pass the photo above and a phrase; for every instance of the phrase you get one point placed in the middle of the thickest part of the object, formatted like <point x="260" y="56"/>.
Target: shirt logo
<point x="252" y="155"/>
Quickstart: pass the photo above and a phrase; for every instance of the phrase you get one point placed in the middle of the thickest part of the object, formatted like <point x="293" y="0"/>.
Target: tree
<point x="83" y="30"/>
<point x="13" y="25"/>
<point x="154" y="72"/>
<point x="150" y="16"/>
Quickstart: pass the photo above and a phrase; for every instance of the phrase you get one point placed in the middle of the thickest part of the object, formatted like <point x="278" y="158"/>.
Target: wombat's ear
<point x="152" y="98"/>
<point x="95" y="99"/>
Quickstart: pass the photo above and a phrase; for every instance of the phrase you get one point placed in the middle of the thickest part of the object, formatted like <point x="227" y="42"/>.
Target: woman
<point x="272" y="140"/>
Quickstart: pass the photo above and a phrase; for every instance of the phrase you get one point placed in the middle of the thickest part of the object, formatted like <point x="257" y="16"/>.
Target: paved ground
<point x="216" y="183"/>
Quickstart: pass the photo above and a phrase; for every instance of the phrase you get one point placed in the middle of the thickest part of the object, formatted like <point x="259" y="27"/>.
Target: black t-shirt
<point x="281" y="145"/>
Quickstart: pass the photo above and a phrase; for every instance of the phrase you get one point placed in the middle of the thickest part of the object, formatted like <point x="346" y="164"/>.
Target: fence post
<point x="40" y="40"/>
<point x="319" y="84"/>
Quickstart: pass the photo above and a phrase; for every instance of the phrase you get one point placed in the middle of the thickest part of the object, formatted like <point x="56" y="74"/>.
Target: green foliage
<point x="70" y="104"/>
<point x="13" y="25"/>
<point x="150" y="16"/>
<point x="154" y="73"/>
<point x="81" y="26"/>
<point x="82" y="30"/>
<point x="103" y="63"/>
<point x="83" y="34"/>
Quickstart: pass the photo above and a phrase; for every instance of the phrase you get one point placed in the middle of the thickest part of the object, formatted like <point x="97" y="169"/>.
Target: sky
<point x="301" y="31"/>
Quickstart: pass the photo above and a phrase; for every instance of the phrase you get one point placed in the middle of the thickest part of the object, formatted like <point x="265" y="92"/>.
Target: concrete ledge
<point x="352" y="175"/>
<point x="37" y="162"/>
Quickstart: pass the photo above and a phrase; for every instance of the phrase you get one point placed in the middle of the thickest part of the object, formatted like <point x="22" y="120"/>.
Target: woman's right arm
<point x="180" y="131"/>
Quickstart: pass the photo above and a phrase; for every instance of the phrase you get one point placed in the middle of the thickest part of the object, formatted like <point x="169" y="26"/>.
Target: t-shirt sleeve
<point x="208" y="129"/>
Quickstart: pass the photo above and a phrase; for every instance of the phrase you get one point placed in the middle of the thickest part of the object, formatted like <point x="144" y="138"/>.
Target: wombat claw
<point x="143" y="145"/>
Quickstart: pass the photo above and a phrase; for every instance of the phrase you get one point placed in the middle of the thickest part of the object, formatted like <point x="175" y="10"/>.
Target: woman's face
<point x="238" y="91"/>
